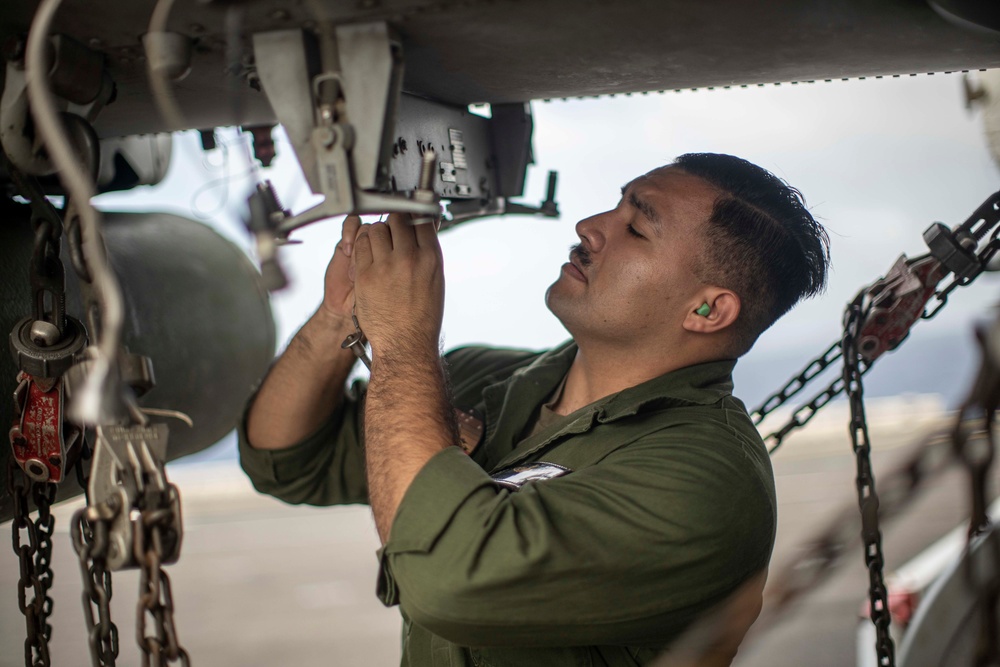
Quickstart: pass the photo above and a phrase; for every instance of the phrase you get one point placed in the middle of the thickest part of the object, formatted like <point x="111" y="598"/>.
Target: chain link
<point x="820" y="554"/>
<point x="982" y="222"/>
<point x="798" y="382"/>
<point x="941" y="296"/>
<point x="89" y="533"/>
<point x="159" y="645"/>
<point x="34" y="560"/>
<point x="805" y="412"/>
<point x="47" y="284"/>
<point x="868" y="500"/>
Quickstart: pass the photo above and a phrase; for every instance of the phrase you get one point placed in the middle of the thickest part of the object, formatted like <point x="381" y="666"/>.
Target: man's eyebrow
<point x="647" y="210"/>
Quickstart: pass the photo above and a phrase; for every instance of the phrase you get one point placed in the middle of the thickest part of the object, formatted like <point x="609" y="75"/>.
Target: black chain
<point x="834" y="353"/>
<point x="89" y="533"/>
<point x="35" y="561"/>
<point x="982" y="222"/>
<point x="798" y="382"/>
<point x="90" y="539"/>
<point x="35" y="557"/>
<point x="154" y="527"/>
<point x="820" y="554"/>
<point x="867" y="497"/>
<point x="808" y="410"/>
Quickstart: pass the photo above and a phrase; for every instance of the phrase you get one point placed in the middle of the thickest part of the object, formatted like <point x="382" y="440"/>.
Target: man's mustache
<point x="581" y="253"/>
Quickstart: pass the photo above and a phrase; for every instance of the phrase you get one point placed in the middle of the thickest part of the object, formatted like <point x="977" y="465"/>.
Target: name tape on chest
<point x="516" y="477"/>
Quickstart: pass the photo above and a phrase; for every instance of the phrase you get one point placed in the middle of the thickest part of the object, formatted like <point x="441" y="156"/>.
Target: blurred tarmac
<point x="261" y="583"/>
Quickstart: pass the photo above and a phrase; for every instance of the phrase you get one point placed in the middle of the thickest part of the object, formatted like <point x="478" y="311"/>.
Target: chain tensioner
<point x="893" y="304"/>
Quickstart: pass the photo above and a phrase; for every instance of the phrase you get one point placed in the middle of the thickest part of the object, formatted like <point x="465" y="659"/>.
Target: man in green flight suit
<point x="581" y="506"/>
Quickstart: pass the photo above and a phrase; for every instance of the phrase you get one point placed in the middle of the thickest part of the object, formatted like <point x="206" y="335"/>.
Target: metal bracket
<point x="127" y="471"/>
<point x="337" y="98"/>
<point x="465" y="210"/>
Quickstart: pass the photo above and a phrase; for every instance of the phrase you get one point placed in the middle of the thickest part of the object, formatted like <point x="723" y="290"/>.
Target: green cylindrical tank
<point x="194" y="304"/>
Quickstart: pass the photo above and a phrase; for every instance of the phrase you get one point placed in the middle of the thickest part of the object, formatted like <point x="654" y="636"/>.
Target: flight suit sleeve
<point x="326" y="468"/>
<point x="628" y="551"/>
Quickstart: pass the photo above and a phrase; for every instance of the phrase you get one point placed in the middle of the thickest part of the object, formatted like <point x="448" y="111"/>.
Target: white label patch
<point x="516" y="477"/>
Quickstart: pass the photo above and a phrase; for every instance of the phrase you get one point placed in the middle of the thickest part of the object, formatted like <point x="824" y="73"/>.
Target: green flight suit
<point x="670" y="505"/>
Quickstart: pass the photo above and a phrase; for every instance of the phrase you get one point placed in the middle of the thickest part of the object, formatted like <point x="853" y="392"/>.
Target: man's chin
<point x="559" y="304"/>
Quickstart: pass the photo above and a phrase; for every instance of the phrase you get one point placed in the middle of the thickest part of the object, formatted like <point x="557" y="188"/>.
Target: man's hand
<point x="399" y="287"/>
<point x="338" y="285"/>
<point x="306" y="385"/>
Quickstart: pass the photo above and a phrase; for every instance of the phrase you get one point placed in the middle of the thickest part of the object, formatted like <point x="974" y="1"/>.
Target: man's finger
<point x="426" y="235"/>
<point x="381" y="240"/>
<point x="348" y="232"/>
<point x="363" y="257"/>
<point x="403" y="237"/>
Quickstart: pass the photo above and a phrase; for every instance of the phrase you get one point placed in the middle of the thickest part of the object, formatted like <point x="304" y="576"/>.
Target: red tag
<point x="37" y="438"/>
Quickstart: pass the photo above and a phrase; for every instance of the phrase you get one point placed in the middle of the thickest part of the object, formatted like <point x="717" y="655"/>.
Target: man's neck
<point x="598" y="371"/>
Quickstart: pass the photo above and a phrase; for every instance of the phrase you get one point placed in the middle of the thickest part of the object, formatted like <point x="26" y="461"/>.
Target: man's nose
<point x="591" y="232"/>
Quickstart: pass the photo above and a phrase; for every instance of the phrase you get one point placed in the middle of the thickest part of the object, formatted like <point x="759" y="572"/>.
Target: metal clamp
<point x="895" y="303"/>
<point x="956" y="249"/>
<point x="127" y="473"/>
<point x="338" y="110"/>
<point x="46" y="361"/>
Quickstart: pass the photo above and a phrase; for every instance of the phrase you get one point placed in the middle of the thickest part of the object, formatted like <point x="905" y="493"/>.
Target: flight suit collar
<point x="511" y="403"/>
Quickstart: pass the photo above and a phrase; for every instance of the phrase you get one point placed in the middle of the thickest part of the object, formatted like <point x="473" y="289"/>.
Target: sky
<point x="877" y="160"/>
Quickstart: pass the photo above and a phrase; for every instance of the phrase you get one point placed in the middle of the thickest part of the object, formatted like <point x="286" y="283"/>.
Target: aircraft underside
<point x="172" y="321"/>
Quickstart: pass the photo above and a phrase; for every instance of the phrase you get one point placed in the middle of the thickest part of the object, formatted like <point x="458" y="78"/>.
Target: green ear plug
<point x="703" y="310"/>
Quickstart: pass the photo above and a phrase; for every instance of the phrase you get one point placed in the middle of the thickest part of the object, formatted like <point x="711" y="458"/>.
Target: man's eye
<point x="633" y="232"/>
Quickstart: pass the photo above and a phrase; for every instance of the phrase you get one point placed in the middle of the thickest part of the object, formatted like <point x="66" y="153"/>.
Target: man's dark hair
<point x="761" y="242"/>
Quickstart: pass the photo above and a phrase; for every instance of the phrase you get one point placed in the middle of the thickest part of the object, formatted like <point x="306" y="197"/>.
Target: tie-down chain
<point x="893" y="305"/>
<point x="132" y="518"/>
<point x="877" y="321"/>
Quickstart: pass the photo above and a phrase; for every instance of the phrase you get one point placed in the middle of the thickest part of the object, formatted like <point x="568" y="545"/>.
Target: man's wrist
<point x="406" y="345"/>
<point x="322" y="334"/>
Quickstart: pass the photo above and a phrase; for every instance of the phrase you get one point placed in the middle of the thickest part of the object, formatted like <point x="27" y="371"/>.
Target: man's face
<point x="631" y="278"/>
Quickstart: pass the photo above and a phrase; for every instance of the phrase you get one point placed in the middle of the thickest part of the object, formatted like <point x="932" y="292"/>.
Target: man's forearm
<point x="305" y="385"/>
<point x="408" y="419"/>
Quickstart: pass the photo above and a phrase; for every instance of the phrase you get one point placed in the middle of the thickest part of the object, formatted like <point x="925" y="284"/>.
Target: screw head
<point x="44" y="334"/>
<point x="327" y="137"/>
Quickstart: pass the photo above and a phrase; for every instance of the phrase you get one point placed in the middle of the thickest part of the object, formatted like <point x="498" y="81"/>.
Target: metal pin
<point x="425" y="188"/>
<point x="355" y="342"/>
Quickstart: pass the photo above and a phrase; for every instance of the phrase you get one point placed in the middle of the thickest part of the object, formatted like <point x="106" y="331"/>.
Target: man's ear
<point x="716" y="309"/>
